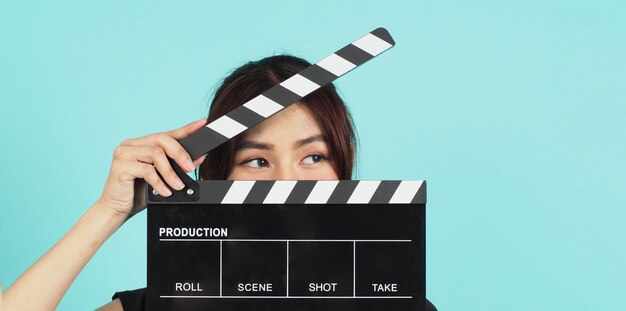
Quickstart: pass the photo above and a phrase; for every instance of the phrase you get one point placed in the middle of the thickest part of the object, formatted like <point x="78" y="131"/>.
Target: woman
<point x="312" y="139"/>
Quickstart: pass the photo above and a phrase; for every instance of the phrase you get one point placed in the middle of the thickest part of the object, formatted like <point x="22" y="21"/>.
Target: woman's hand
<point x="137" y="160"/>
<point x="134" y="161"/>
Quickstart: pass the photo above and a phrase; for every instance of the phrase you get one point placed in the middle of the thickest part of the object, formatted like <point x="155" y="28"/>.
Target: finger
<point x="172" y="149"/>
<point x="134" y="169"/>
<point x="152" y="155"/>
<point x="188" y="129"/>
<point x="177" y="134"/>
<point x="199" y="160"/>
<point x="164" y="167"/>
<point x="175" y="150"/>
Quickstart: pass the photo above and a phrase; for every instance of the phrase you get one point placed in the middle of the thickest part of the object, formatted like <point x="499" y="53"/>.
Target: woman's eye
<point x="258" y="162"/>
<point x="312" y="159"/>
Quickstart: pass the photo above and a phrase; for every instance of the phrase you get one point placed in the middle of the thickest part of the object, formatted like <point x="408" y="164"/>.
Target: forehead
<point x="290" y="124"/>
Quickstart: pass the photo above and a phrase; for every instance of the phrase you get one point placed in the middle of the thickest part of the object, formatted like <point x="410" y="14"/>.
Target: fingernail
<point x="179" y="184"/>
<point x="166" y="192"/>
<point x="189" y="164"/>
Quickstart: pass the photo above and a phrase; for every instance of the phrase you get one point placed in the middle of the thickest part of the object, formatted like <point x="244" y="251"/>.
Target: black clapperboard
<point x="285" y="244"/>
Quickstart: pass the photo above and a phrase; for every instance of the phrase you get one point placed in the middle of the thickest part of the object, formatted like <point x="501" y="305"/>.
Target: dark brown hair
<point x="254" y="78"/>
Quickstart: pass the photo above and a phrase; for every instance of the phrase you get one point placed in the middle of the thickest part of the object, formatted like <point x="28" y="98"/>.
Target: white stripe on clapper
<point x="280" y="192"/>
<point x="227" y="126"/>
<point x="364" y="191"/>
<point x="372" y="44"/>
<point x="321" y="192"/>
<point x="300" y="85"/>
<point x="238" y="192"/>
<point x="336" y="65"/>
<point x="263" y="106"/>
<point x="406" y="191"/>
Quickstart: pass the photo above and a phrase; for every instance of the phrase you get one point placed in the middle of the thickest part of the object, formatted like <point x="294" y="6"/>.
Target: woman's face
<point x="287" y="146"/>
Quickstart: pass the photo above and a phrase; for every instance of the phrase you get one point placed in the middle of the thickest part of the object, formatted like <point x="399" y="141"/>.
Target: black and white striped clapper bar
<point x="286" y="244"/>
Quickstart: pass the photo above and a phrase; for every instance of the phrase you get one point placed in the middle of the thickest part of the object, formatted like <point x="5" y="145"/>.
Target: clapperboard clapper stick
<point x="278" y="98"/>
<point x="288" y="92"/>
<point x="287" y="244"/>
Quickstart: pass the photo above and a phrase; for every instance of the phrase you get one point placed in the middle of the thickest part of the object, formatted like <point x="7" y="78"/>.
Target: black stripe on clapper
<point x="383" y="34"/>
<point x="318" y="75"/>
<point x="420" y="196"/>
<point x="354" y="55"/>
<point x="245" y="116"/>
<point x="385" y="191"/>
<point x="214" y="191"/>
<point x="204" y="139"/>
<point x="300" y="192"/>
<point x="282" y="95"/>
<point x="342" y="192"/>
<point x="259" y="192"/>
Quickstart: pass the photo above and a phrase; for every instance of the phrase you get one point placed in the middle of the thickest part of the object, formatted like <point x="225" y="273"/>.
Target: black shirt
<point x="132" y="300"/>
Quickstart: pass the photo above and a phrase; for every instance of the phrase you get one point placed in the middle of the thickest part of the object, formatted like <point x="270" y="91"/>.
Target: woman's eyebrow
<point x="251" y="144"/>
<point x="308" y="140"/>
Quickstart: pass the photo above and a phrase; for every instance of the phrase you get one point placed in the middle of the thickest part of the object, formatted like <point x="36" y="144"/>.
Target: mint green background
<point x="514" y="112"/>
